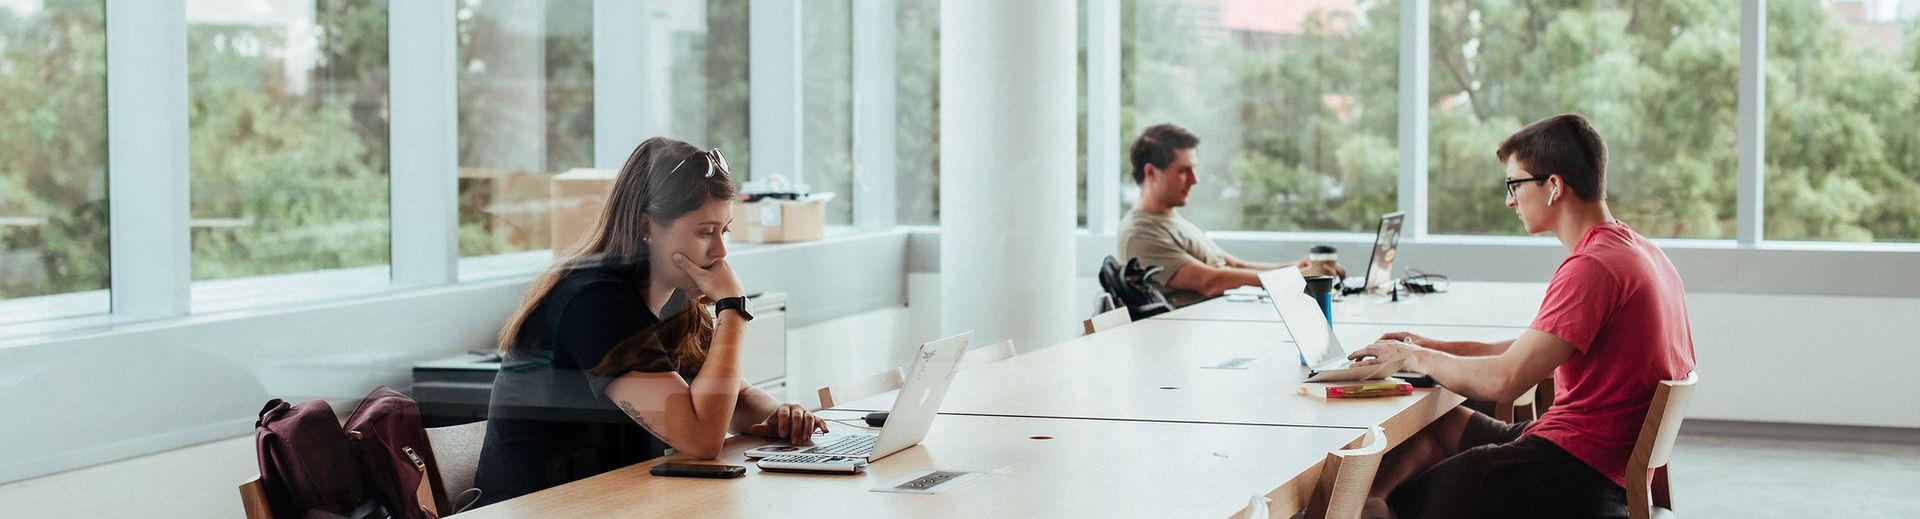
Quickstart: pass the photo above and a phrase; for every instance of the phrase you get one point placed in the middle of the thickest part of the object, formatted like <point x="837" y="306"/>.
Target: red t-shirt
<point x="1621" y="304"/>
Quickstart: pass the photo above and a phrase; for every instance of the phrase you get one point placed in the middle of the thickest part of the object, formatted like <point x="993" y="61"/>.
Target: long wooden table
<point x="1473" y="304"/>
<point x="1161" y="370"/>
<point x="1143" y="420"/>
<point x="1032" y="467"/>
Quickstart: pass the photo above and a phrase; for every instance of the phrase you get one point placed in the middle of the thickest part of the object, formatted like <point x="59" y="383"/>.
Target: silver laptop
<point x="1386" y="248"/>
<point x="912" y="415"/>
<point x="1326" y="359"/>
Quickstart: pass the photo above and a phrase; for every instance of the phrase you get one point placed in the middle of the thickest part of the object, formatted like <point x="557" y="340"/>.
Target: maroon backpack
<point x="305" y="461"/>
<point x="392" y="447"/>
<point x="380" y="459"/>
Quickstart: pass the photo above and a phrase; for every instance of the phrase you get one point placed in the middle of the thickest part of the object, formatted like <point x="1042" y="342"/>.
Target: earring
<point x="647" y="240"/>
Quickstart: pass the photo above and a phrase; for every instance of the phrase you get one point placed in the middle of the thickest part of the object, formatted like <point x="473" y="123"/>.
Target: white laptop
<point x="912" y="415"/>
<point x="1326" y="359"/>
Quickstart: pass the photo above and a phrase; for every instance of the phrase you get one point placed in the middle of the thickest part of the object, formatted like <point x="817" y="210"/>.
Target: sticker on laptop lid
<point x="928" y="482"/>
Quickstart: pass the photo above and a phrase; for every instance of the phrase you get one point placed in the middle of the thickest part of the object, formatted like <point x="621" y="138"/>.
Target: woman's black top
<point x="549" y="421"/>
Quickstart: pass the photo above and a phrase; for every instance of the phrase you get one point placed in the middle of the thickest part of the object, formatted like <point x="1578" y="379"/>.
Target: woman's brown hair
<point x="647" y="186"/>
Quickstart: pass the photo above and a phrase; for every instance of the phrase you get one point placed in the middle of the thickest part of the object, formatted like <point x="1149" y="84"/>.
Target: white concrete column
<point x="1007" y="139"/>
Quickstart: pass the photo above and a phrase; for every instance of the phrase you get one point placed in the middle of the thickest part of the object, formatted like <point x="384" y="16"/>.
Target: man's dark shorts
<point x="1500" y="474"/>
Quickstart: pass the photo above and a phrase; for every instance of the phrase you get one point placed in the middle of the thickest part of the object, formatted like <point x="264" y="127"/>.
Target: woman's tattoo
<point x="642" y="420"/>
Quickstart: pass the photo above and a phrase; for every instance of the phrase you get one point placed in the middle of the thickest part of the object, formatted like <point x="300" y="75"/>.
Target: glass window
<point x="709" y="91"/>
<point x="1843" y="150"/>
<point x="1293" y="103"/>
<point x="826" y="33"/>
<point x="916" y="113"/>
<point x="53" y="181"/>
<point x="1655" y="79"/>
<point x="526" y="114"/>
<point x="288" y="137"/>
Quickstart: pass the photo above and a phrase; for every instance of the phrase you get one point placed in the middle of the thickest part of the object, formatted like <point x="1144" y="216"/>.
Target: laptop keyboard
<point x="855" y="444"/>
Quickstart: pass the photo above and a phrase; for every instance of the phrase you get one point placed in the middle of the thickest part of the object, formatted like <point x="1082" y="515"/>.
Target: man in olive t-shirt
<point x="1193" y="267"/>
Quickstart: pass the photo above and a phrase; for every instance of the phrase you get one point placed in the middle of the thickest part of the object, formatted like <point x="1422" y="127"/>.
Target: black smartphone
<point x="695" y="470"/>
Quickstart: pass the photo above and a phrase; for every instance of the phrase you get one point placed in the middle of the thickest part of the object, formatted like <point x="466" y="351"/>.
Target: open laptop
<point x="1386" y="246"/>
<point x="912" y="415"/>
<point x="1326" y="359"/>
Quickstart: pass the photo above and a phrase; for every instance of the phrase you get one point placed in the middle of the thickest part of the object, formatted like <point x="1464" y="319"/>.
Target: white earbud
<point x="1552" y="194"/>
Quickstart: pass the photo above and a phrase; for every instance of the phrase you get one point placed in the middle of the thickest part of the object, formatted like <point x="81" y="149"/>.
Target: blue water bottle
<point x="1321" y="289"/>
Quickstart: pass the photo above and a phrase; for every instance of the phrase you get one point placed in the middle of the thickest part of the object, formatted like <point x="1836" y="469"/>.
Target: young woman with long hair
<point x="613" y="357"/>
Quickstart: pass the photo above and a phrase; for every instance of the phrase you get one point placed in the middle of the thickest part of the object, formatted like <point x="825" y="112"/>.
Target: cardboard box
<point x="577" y="197"/>
<point x="777" y="221"/>
<point x="513" y="203"/>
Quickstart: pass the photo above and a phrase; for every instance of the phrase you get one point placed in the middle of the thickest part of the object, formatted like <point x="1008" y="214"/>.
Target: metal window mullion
<point x="875" y="94"/>
<point x="424" y="136"/>
<point x="620" y="80"/>
<point x="1413" y="108"/>
<point x="150" y="249"/>
<point x="774" y="73"/>
<point x="1751" y="120"/>
<point x="1103" y="116"/>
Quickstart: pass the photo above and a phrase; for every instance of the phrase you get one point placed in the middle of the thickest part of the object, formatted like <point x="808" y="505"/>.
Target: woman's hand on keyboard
<point x="790" y="422"/>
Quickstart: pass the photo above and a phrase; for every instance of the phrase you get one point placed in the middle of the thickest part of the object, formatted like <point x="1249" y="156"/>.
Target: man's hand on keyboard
<point x="790" y="422"/>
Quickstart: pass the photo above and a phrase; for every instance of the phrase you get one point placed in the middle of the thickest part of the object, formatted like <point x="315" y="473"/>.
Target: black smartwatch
<point x="735" y="303"/>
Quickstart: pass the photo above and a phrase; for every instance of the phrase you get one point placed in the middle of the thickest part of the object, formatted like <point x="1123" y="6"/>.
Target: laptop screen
<point x="919" y="400"/>
<point x="1305" y="322"/>
<point x="1386" y="245"/>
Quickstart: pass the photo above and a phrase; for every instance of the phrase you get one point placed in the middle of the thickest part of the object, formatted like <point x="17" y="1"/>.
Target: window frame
<point x="147" y="90"/>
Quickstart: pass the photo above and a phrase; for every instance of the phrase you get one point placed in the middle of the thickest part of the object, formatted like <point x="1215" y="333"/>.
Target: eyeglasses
<point x="714" y="160"/>
<point x="1514" y="182"/>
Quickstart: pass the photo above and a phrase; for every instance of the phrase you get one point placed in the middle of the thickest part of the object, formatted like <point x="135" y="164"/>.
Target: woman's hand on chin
<point x="711" y="283"/>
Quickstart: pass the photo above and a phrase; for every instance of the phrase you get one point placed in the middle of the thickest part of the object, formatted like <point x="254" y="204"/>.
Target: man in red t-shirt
<point x="1613" y="325"/>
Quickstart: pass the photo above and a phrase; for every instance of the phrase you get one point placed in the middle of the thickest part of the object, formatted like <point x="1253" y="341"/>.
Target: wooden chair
<point x="1519" y="409"/>
<point x="1651" y="498"/>
<point x="1346" y="477"/>
<point x="456" y="448"/>
<point x="885" y="381"/>
<point x="253" y="499"/>
<point x="1107" y="321"/>
<point x="1528" y="406"/>
<point x="992" y="353"/>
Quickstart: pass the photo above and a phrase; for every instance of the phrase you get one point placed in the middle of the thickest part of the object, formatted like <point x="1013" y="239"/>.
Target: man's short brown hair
<point x="1156" y="145"/>
<point x="1562" y="145"/>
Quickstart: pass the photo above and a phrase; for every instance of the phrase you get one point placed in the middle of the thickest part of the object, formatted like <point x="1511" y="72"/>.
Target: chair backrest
<point x="457" y="448"/>
<point x="989" y="354"/>
<point x="1345" y="478"/>
<point x="1521" y="409"/>
<point x="882" y="382"/>
<point x="1655" y="443"/>
<point x="253" y="499"/>
<point x="1107" y="321"/>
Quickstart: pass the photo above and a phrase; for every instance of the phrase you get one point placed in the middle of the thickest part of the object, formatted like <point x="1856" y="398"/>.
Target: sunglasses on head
<point x="714" y="160"/>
